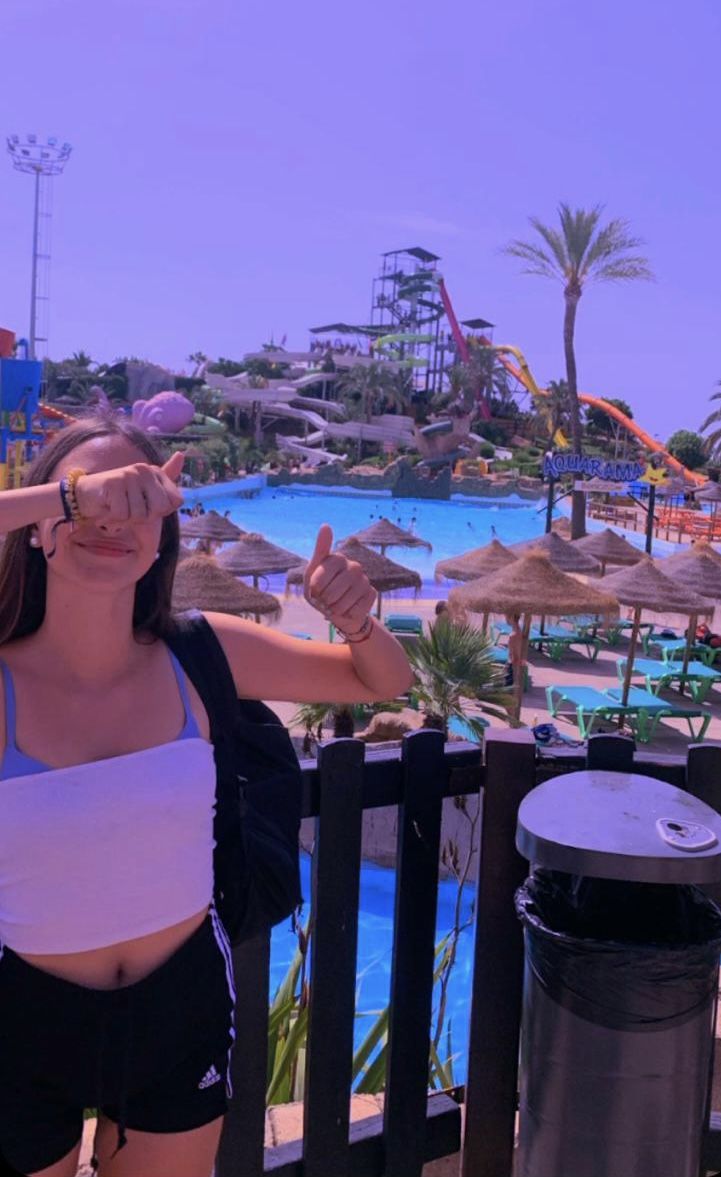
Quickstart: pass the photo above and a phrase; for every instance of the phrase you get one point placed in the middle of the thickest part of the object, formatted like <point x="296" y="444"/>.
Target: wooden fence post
<point x="491" y="1091"/>
<point x="243" y="1138"/>
<point x="333" y="948"/>
<point x="419" y="830"/>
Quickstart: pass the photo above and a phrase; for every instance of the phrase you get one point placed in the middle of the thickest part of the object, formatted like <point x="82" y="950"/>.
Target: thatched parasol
<point x="608" y="547"/>
<point x="531" y="586"/>
<point x="384" y="574"/>
<point x="688" y="556"/>
<point x="200" y="583"/>
<point x="385" y="534"/>
<point x="210" y="526"/>
<point x="644" y="586"/>
<point x="295" y="576"/>
<point x="562" y="526"/>
<point x="476" y="563"/>
<point x="255" y="556"/>
<point x="710" y="492"/>
<point x="561" y="552"/>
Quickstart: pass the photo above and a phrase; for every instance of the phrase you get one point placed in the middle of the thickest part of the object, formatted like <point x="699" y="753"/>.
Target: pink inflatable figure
<point x="166" y="412"/>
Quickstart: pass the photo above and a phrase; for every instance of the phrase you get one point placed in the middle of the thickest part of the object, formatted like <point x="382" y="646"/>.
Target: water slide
<point x="460" y="340"/>
<point x="523" y="374"/>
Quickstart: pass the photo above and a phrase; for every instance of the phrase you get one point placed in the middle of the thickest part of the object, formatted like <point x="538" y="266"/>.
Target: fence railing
<point x="415" y="1127"/>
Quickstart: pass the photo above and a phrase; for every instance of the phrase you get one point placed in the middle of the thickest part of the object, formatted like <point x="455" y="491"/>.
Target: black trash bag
<point x="628" y="956"/>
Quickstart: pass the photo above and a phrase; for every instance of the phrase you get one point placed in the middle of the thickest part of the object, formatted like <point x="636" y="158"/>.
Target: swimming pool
<point x="291" y="516"/>
<point x="375" y="942"/>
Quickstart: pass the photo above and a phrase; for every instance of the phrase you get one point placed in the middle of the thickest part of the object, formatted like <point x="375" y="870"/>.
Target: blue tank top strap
<point x="190" y="727"/>
<point x="10" y="708"/>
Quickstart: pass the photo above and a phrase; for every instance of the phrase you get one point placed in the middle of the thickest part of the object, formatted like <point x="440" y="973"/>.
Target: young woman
<point x="116" y="987"/>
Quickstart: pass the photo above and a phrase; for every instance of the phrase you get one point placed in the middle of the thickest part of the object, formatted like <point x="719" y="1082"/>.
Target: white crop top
<point x="98" y="853"/>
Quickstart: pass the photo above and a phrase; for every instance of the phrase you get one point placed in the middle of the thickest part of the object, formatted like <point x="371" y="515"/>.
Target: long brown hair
<point x="23" y="569"/>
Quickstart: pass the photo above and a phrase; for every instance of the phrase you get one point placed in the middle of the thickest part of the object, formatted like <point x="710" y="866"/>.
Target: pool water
<point x="290" y="517"/>
<point x="375" y="944"/>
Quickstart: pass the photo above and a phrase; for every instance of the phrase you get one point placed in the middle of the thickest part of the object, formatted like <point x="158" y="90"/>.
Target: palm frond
<point x="613" y="239"/>
<point x="625" y="269"/>
<point x="577" y="229"/>
<point x="555" y="242"/>
<point x="537" y="262"/>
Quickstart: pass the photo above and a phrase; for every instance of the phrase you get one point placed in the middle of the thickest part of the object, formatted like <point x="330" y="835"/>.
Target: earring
<point x="157" y="555"/>
<point x="34" y="541"/>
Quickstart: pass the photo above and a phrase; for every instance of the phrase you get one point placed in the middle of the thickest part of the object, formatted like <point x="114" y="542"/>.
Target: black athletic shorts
<point x="153" y="1056"/>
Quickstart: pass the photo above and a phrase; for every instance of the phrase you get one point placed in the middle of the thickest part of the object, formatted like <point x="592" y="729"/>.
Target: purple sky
<point x="239" y="166"/>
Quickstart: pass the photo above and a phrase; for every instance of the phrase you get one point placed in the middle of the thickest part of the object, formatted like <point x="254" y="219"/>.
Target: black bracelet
<point x="65" y="500"/>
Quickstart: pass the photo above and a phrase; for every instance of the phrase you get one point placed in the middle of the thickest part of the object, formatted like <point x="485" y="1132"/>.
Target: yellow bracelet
<point x="71" y="481"/>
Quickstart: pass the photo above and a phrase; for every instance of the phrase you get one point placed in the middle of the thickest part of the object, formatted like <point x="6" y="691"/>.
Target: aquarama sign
<point x="556" y="465"/>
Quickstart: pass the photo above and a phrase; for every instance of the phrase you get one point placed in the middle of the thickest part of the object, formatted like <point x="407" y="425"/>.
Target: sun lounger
<point x="587" y="704"/>
<point x="643" y="712"/>
<point x="615" y="629"/>
<point x="672" y="649"/>
<point x="459" y="727"/>
<point x="404" y="623"/>
<point x="556" y="639"/>
<point x="652" y="709"/>
<point x="699" y="678"/>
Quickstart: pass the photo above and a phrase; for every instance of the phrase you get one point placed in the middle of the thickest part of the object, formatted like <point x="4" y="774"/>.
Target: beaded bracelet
<point x="68" y="495"/>
<point x="358" y="635"/>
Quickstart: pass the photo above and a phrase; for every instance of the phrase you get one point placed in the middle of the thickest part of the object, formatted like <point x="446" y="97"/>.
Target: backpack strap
<point x="203" y="659"/>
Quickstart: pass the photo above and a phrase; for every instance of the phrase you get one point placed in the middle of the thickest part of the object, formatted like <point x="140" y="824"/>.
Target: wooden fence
<point x="414" y="1127"/>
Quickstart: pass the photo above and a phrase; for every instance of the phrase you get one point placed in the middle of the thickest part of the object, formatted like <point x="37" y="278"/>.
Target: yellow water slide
<point x="521" y="372"/>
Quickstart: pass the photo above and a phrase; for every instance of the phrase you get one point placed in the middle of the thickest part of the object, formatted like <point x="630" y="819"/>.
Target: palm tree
<point x="364" y="385"/>
<point x="713" y="423"/>
<point x="558" y="406"/>
<point x="452" y="663"/>
<point x="576" y="254"/>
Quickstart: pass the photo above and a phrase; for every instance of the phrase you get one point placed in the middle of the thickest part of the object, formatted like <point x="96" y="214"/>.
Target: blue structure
<point x="19" y="398"/>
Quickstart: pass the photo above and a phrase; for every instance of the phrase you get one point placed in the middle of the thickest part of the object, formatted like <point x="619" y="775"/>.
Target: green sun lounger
<point x="557" y="639"/>
<point x="587" y="704"/>
<point x="652" y="709"/>
<point x="672" y="649"/>
<point x="699" y="678"/>
<point x="404" y="623"/>
<point x="615" y="629"/>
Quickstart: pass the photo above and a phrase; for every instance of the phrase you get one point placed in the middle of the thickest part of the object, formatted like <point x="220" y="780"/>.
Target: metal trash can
<point x="621" y="976"/>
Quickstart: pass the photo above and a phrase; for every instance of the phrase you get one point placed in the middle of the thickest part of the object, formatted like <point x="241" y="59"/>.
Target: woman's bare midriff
<point x="118" y="964"/>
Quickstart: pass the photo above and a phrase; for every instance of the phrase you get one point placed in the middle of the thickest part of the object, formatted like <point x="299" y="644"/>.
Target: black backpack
<point x="258" y="791"/>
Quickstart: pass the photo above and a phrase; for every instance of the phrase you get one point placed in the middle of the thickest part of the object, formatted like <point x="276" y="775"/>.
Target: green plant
<point x="712" y="425"/>
<point x="688" y="447"/>
<point x="579" y="252"/>
<point x="454" y="662"/>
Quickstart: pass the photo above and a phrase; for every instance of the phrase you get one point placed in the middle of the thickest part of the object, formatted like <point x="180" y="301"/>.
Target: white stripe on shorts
<point x="221" y="940"/>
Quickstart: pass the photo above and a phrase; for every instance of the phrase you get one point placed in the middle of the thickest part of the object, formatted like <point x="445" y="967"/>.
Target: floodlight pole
<point x="41" y="159"/>
<point x="34" y="279"/>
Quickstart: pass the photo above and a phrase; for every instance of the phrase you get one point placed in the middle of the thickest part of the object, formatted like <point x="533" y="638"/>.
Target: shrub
<point x="688" y="447"/>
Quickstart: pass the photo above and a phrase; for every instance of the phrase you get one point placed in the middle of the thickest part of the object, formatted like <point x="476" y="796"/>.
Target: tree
<point x="600" y="420"/>
<point x="452" y="663"/>
<point x="576" y="254"/>
<point x="713" y="424"/>
<point x="363" y="386"/>
<point x="688" y="447"/>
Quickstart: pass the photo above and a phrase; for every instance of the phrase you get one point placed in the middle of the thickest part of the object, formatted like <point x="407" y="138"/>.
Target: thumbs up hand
<point x="336" y="586"/>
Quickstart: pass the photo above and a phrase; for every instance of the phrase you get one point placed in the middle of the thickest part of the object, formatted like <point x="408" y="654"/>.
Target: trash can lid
<point x="620" y="825"/>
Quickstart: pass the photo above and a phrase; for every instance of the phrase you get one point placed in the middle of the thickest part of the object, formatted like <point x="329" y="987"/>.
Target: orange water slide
<point x="523" y="374"/>
<point x="56" y="414"/>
